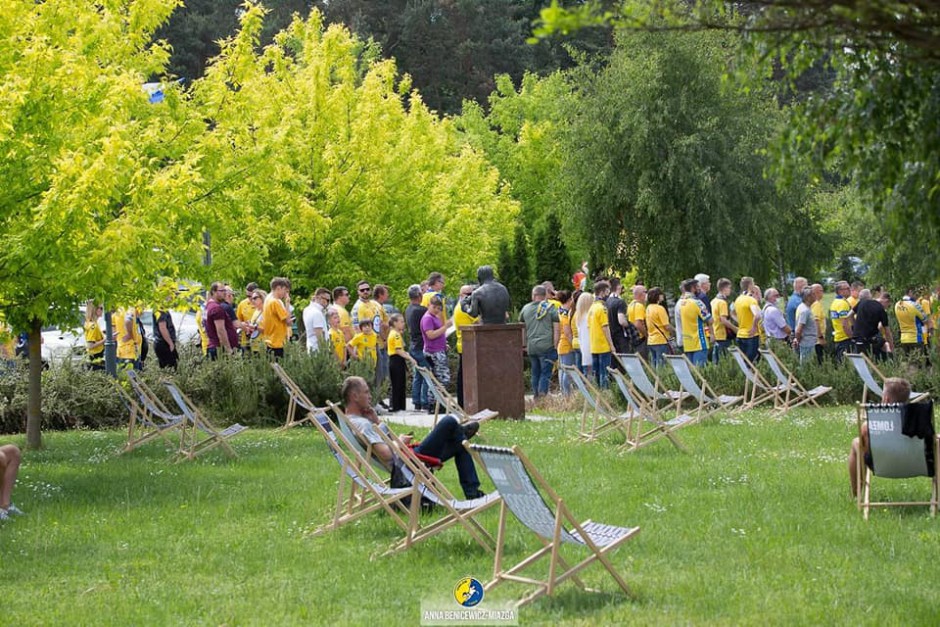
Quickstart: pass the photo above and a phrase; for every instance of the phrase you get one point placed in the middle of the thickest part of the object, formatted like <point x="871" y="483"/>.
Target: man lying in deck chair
<point x="443" y="442"/>
<point x="896" y="390"/>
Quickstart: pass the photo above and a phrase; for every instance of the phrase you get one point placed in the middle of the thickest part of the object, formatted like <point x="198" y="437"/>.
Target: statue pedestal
<point x="492" y="369"/>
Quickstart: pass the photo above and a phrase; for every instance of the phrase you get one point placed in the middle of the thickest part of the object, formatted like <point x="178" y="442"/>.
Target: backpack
<point x="633" y="336"/>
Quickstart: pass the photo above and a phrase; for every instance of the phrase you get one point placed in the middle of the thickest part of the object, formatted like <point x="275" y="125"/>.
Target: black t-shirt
<point x="615" y="306"/>
<point x="868" y="313"/>
<point x="163" y="316"/>
<point x="413" y="314"/>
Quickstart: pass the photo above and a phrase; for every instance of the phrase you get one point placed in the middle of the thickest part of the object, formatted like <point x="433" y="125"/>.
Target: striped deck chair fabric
<point x="201" y="436"/>
<point x="522" y="489"/>
<point x="867" y="371"/>
<point x="646" y="380"/>
<point x="698" y="388"/>
<point x="794" y="393"/>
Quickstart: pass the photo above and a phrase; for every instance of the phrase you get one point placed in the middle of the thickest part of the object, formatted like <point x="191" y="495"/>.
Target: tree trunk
<point x="34" y="404"/>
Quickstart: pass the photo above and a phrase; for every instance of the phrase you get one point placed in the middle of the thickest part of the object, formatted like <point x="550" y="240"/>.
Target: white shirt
<point x="314" y="319"/>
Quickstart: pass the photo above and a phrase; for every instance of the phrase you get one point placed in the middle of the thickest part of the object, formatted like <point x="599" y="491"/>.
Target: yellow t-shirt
<point x="719" y="309"/>
<point x="462" y="319"/>
<point x="656" y="320"/>
<point x="395" y="342"/>
<point x="554" y="303"/>
<point x="203" y="338"/>
<point x="817" y="311"/>
<point x="742" y="307"/>
<point x="276" y="328"/>
<point x="257" y="342"/>
<point x="244" y="313"/>
<point x="345" y="321"/>
<point x="373" y="311"/>
<point x="338" y="340"/>
<point x="695" y="318"/>
<point x="365" y="345"/>
<point x="93" y="334"/>
<point x="575" y="341"/>
<point x="564" y="321"/>
<point x="839" y="311"/>
<point x="913" y="321"/>
<point x="126" y="349"/>
<point x="426" y="300"/>
<point x="597" y="320"/>
<point x="852" y="302"/>
<point x="637" y="311"/>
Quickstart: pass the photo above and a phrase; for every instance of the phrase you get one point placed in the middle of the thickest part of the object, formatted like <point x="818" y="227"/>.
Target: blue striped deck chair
<point x="647" y="382"/>
<point x="646" y="412"/>
<point x="757" y="389"/>
<point x="867" y="371"/>
<point x="598" y="417"/>
<point x="360" y="489"/>
<point x="444" y="400"/>
<point x="296" y="399"/>
<point x="535" y="504"/>
<point x="896" y="455"/>
<point x="793" y="393"/>
<point x="698" y="388"/>
<point x="201" y="435"/>
<point x="149" y="418"/>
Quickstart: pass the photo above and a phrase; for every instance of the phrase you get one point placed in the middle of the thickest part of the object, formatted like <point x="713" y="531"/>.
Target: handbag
<point x="672" y="347"/>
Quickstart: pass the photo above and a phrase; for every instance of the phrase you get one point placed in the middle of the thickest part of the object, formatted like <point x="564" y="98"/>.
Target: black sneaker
<point x="479" y="494"/>
<point x="470" y="429"/>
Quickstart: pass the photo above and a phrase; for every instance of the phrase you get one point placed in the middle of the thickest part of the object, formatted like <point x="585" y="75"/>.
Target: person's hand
<point x="407" y="439"/>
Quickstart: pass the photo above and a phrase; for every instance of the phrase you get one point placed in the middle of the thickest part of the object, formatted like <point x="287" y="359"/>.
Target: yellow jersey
<point x="338" y="340"/>
<point x="276" y="328"/>
<point x="743" y="305"/>
<point x="720" y="308"/>
<point x="839" y="311"/>
<point x="345" y="321"/>
<point x="913" y="321"/>
<point x="126" y="349"/>
<point x="365" y="346"/>
<point x="203" y="337"/>
<point x="597" y="320"/>
<point x="244" y="313"/>
<point x="817" y="311"/>
<point x="657" y="319"/>
<point x="395" y="342"/>
<point x="637" y="311"/>
<point x="373" y="311"/>
<point x="564" y="322"/>
<point x="461" y="319"/>
<point x="93" y="334"/>
<point x="695" y="318"/>
<point x="257" y="340"/>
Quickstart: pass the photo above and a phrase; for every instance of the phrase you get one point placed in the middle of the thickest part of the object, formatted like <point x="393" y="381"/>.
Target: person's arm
<point x="889" y="337"/>
<point x="610" y="341"/>
<point x="755" y="310"/>
<point x="223" y="334"/>
<point x="622" y="319"/>
<point x="556" y="333"/>
<point x="728" y="324"/>
<point x="165" y="334"/>
<point x="799" y="332"/>
<point x="441" y="330"/>
<point x="846" y="323"/>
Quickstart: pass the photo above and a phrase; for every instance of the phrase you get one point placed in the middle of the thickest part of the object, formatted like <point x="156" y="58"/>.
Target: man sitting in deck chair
<point x="896" y="390"/>
<point x="443" y="442"/>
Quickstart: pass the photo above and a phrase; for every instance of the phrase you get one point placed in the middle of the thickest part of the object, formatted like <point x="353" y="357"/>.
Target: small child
<point x="363" y="344"/>
<point x="337" y="339"/>
<point x="397" y="362"/>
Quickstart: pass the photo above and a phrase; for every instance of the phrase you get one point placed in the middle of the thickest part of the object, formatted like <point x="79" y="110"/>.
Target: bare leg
<point x="859" y="449"/>
<point x="9" y="466"/>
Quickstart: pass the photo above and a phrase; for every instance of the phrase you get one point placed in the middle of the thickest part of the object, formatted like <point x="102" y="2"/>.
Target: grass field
<point x="755" y="526"/>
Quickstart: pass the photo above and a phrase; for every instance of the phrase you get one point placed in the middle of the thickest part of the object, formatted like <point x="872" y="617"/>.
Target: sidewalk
<point x="413" y="418"/>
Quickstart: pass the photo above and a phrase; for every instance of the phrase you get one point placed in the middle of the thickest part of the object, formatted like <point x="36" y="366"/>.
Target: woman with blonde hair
<point x="579" y="321"/>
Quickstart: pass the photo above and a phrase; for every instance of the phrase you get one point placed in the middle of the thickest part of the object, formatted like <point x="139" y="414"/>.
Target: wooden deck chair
<point x="792" y="393"/>
<point x="598" y="417"/>
<point x="522" y="489"/>
<point x="201" y="436"/>
<point x="647" y="382"/>
<point x="646" y="412"/>
<point x="757" y="389"/>
<point x="417" y="470"/>
<point x="692" y="381"/>
<point x="360" y="489"/>
<point x="296" y="399"/>
<point x="867" y="371"/>
<point x="149" y="417"/>
<point x="895" y="455"/>
<point x="443" y="399"/>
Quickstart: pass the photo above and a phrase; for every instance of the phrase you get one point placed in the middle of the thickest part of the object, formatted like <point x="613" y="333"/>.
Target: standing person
<point x="94" y="338"/>
<point x="314" y="316"/>
<point x="124" y="323"/>
<point x="462" y="318"/>
<point x="10" y="457"/>
<point x="363" y="346"/>
<point x="696" y="324"/>
<point x="775" y="324"/>
<point x="913" y="322"/>
<point x="413" y="314"/>
<point x="617" y="318"/>
<point x="340" y="301"/>
<point x="636" y="315"/>
<point x="854" y="290"/>
<point x="255" y="325"/>
<point x="337" y="338"/>
<point x="381" y="328"/>
<point x="795" y="300"/>
<point x="704" y="287"/>
<point x="217" y="322"/>
<point x="243" y="313"/>
<point x="599" y="333"/>
<point x="582" y="334"/>
<point x="820" y="318"/>
<point x="164" y="339"/>
<point x="840" y="313"/>
<point x="277" y="318"/>
<point x="566" y="352"/>
<point x="657" y="319"/>
<point x="723" y="328"/>
<point x="228" y="304"/>
<point x="871" y="331"/>
<point x="748" y="312"/>
<point x="397" y="360"/>
<point x="436" y="288"/>
<point x="541" y="337"/>
<point x="806" y="334"/>
<point x="434" y="333"/>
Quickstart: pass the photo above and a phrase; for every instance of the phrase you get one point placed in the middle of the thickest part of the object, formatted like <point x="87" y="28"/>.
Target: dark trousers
<point x="398" y="375"/>
<point x="750" y="347"/>
<point x="820" y="349"/>
<point x="460" y="379"/>
<point x="165" y="357"/>
<point x="445" y="442"/>
<point x="276" y="353"/>
<point x="843" y="347"/>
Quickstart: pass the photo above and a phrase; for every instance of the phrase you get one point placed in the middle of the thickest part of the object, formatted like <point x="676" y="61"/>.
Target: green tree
<point x="552" y="261"/>
<point x="517" y="277"/>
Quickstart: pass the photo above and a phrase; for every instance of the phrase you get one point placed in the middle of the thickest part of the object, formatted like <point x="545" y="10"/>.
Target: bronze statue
<point x="490" y="301"/>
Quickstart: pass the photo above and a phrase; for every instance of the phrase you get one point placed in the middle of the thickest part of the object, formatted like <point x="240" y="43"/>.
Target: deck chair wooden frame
<point x="647" y="382"/>
<point x="867" y="370"/>
<point x="792" y="393"/>
<point x="598" y="417"/>
<point x="149" y="417"/>
<point x="428" y="486"/>
<point x="894" y="455"/>
<point x="522" y="489"/>
<point x="646" y="412"/>
<point x="360" y="490"/>
<point x="444" y="399"/>
<point x="200" y="435"/>
<point x="698" y="388"/>
<point x="757" y="389"/>
<point x="296" y="399"/>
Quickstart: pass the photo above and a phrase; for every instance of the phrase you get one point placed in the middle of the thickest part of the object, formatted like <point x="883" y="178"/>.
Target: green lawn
<point x="754" y="527"/>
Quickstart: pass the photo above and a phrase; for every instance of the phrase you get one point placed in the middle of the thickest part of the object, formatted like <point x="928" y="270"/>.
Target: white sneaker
<point x="13" y="509"/>
<point x="4" y="515"/>
<point x="381" y="411"/>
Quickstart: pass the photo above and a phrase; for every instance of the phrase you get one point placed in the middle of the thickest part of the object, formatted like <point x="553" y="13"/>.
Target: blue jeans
<point x="600" y="361"/>
<point x="570" y="359"/>
<point x="749" y="346"/>
<point x="445" y="442"/>
<point x="419" y="387"/>
<point x="698" y="358"/>
<point x="658" y="354"/>
<point x="542" y="366"/>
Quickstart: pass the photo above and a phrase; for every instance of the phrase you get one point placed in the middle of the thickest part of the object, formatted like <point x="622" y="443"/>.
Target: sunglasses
<point x="365" y="289"/>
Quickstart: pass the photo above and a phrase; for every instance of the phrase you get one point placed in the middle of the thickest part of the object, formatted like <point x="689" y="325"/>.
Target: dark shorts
<point x="868" y="461"/>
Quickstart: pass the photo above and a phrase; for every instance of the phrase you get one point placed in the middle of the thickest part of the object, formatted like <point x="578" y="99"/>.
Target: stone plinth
<point x="492" y="369"/>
